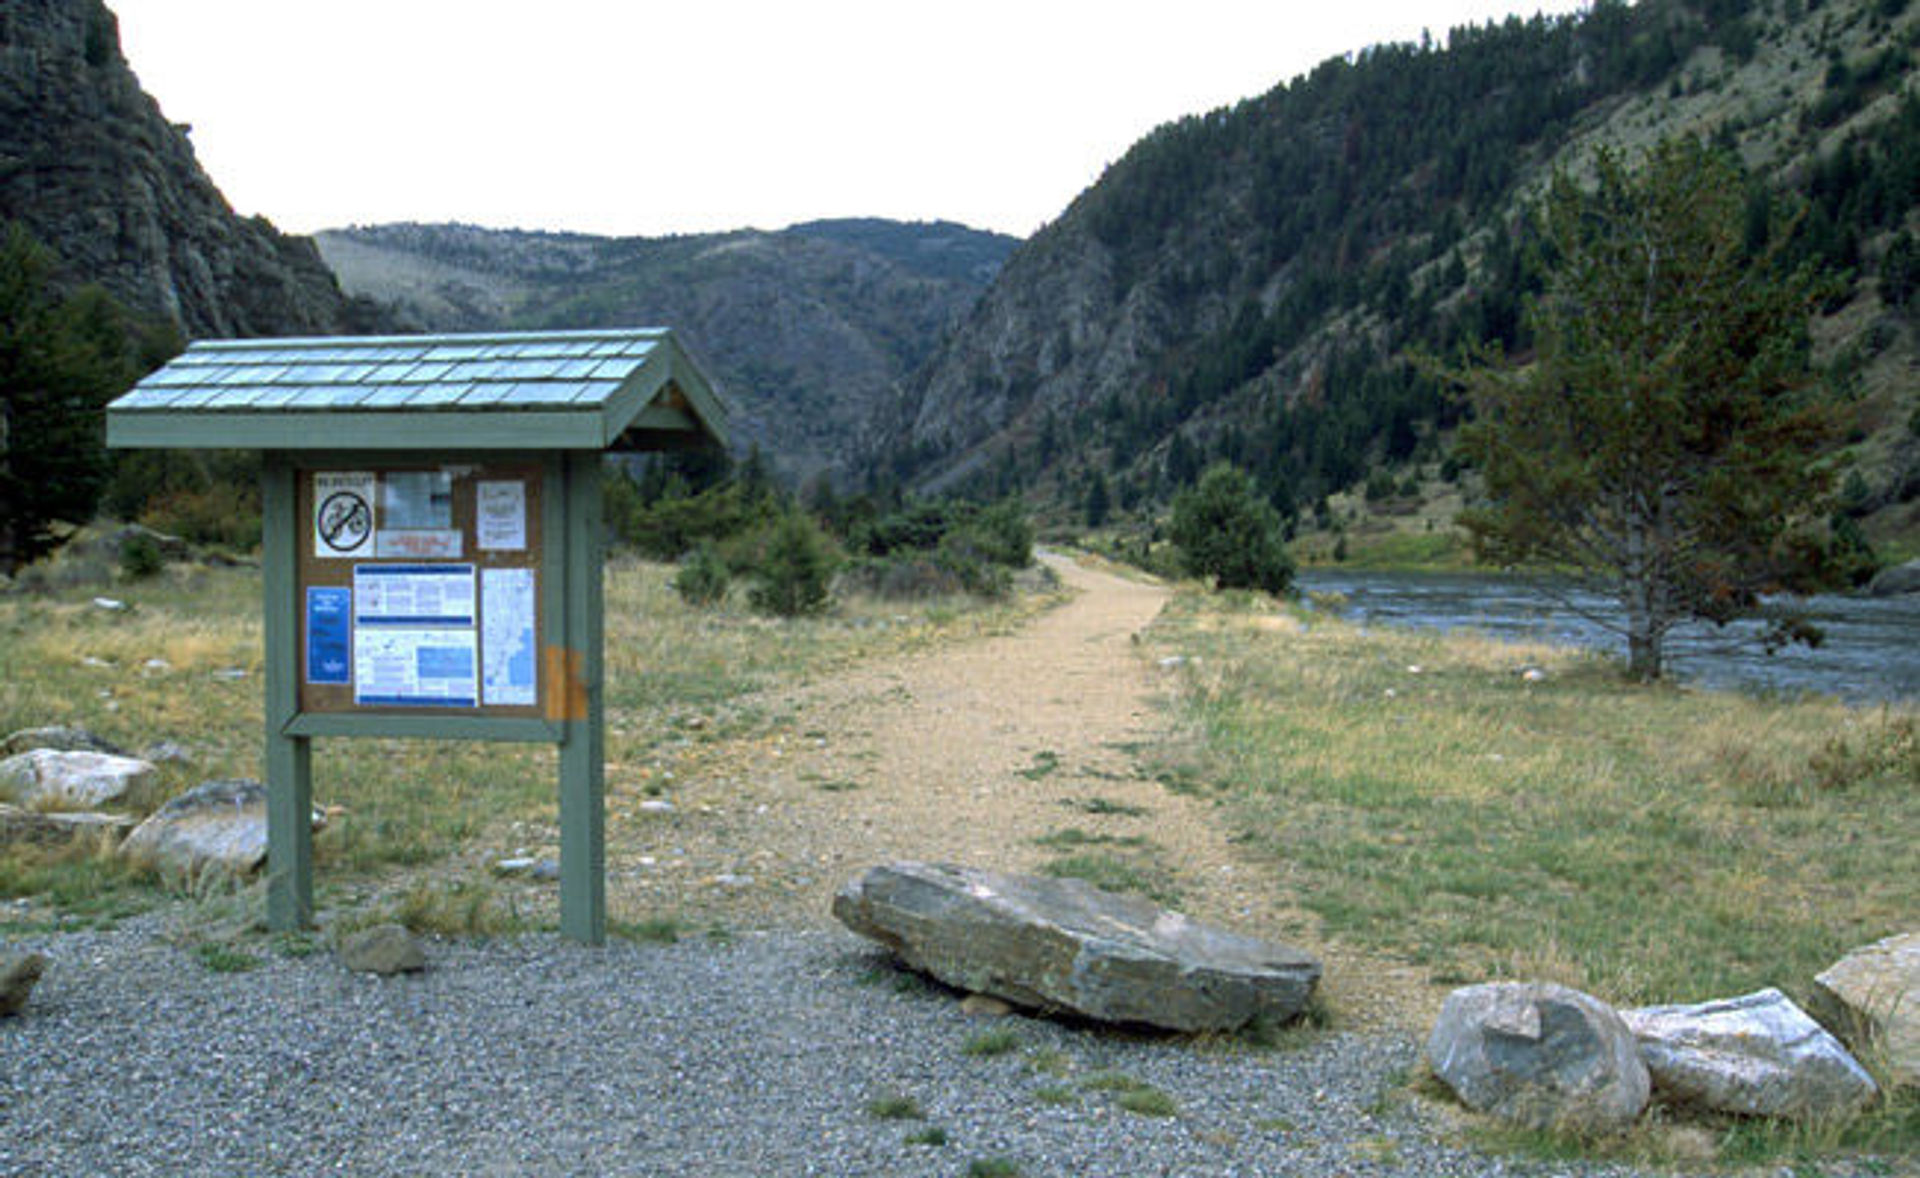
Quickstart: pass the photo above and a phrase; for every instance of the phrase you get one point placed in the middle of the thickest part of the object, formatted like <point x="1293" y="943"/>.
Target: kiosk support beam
<point x="583" y="877"/>
<point x="288" y="759"/>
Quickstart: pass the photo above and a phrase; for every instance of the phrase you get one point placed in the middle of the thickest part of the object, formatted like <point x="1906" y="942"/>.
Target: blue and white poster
<point x="329" y="635"/>
<point x="415" y="641"/>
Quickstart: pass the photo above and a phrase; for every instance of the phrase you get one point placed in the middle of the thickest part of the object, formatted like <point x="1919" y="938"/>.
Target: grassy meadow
<point x="1428" y="798"/>
<point x="182" y="663"/>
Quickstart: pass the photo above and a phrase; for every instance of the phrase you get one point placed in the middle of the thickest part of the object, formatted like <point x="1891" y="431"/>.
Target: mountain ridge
<point x="1247" y="283"/>
<point x="808" y="328"/>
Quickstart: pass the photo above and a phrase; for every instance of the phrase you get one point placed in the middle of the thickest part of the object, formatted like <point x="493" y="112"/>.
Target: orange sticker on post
<point x="566" y="685"/>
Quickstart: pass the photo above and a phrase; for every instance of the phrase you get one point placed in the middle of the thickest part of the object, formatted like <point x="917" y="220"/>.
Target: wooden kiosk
<point x="431" y="545"/>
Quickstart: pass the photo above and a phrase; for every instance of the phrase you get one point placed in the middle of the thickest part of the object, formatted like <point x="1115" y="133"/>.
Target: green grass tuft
<point x="992" y="1042"/>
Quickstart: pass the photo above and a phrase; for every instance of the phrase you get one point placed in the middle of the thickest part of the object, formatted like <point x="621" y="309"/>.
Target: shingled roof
<point x="614" y="389"/>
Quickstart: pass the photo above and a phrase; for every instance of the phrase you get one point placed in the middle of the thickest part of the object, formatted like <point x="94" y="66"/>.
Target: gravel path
<point x="755" y="1057"/>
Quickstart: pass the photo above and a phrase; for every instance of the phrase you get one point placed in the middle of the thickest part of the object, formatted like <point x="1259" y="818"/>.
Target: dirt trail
<point x="967" y="753"/>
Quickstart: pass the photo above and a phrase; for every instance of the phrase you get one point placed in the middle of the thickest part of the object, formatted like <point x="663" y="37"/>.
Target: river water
<point x="1871" y="653"/>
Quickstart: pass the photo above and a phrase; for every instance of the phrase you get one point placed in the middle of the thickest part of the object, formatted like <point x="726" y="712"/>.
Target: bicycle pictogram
<point x="345" y="520"/>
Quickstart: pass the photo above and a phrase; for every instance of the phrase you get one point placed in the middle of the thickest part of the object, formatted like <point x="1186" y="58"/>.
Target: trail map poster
<point x="415" y="637"/>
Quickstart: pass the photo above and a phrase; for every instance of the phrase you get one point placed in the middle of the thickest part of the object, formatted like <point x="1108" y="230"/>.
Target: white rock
<point x="1758" y="1055"/>
<point x="110" y="604"/>
<point x="50" y="779"/>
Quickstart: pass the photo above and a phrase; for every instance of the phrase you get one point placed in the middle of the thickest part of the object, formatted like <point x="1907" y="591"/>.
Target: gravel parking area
<point x="762" y="1055"/>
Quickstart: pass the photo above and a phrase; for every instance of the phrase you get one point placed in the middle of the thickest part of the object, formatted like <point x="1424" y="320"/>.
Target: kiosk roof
<point x="611" y="389"/>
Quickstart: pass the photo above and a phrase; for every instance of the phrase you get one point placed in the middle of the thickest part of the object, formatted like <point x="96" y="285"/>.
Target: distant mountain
<point x="809" y="329"/>
<point x="93" y="169"/>
<point x="1249" y="283"/>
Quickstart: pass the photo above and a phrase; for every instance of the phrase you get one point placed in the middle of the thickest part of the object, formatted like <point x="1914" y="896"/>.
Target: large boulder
<point x="217" y="824"/>
<point x="49" y="779"/>
<point x="1540" y="1055"/>
<point x="18" y="973"/>
<point x="35" y="828"/>
<point x="1896" y="580"/>
<point x="1757" y="1056"/>
<point x="1062" y="945"/>
<point x="1871" y="998"/>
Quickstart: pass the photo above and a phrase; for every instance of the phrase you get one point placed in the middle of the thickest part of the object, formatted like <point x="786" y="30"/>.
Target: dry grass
<point x="183" y="663"/>
<point x="1647" y="845"/>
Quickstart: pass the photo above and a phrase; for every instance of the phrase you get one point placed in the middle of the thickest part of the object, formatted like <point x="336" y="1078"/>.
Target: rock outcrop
<point x="1897" y="580"/>
<point x="1540" y="1055"/>
<point x="1754" y="1056"/>
<point x="93" y="169"/>
<point x="1062" y="945"/>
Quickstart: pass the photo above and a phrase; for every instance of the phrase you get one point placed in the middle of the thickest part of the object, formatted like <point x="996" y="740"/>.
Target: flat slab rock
<point x="1758" y="1056"/>
<point x="1871" y="997"/>
<point x="1063" y="945"/>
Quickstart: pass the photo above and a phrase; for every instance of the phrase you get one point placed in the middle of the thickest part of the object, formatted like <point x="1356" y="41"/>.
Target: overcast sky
<point x="650" y="118"/>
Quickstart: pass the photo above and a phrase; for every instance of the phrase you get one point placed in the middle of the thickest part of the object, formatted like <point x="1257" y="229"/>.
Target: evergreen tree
<point x="1226" y="530"/>
<point x="796" y="568"/>
<point x="1665" y="439"/>
<point x="1099" y="500"/>
<point x="61" y="360"/>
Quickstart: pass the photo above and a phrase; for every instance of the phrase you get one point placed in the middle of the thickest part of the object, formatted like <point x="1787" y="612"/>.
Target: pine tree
<point x="61" y="360"/>
<point x="1665" y="440"/>
<point x="1225" y="530"/>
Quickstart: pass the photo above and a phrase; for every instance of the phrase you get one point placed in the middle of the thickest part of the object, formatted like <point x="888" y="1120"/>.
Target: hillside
<point x="1248" y="283"/>
<point x="98" y="175"/>
<point x="809" y="329"/>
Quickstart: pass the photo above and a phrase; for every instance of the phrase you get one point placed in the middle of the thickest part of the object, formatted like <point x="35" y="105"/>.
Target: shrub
<point x="224" y="515"/>
<point x="672" y="527"/>
<point x="1226" y="531"/>
<point x="703" y="578"/>
<point x="795" y="568"/>
<point x="141" y="558"/>
<point x="1001" y="534"/>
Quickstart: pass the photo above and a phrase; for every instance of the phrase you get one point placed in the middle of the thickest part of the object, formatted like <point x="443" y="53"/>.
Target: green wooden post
<point x="583" y="877"/>
<point x="288" y="760"/>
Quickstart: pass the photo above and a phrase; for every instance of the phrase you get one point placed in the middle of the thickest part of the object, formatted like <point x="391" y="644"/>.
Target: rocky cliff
<point x="93" y="169"/>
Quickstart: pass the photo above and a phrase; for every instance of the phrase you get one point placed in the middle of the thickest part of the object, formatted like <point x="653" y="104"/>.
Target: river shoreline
<point x="1870" y="654"/>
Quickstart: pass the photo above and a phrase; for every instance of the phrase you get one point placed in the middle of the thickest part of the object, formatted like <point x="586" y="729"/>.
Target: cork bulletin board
<point x="420" y="589"/>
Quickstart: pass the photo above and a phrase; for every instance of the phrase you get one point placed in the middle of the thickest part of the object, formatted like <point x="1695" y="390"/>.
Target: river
<point x="1871" y="653"/>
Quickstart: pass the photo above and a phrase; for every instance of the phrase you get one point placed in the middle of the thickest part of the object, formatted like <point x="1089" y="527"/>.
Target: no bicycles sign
<point x="342" y="512"/>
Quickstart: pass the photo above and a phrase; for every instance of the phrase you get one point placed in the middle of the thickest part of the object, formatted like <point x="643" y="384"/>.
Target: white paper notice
<point x="508" y="654"/>
<point x="342" y="512"/>
<point x="501" y="511"/>
<point x="414" y="640"/>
